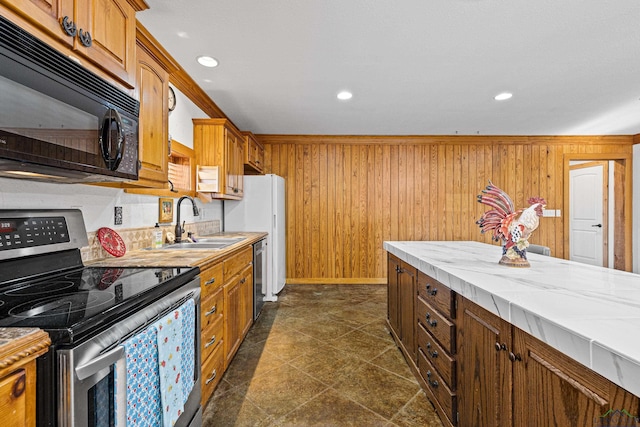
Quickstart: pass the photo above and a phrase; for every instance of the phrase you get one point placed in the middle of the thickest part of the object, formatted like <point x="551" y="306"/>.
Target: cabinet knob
<point x="433" y="383"/>
<point x="499" y="346"/>
<point x="514" y="357"/>
<point x="434" y="354"/>
<point x="68" y="26"/>
<point x="434" y="292"/>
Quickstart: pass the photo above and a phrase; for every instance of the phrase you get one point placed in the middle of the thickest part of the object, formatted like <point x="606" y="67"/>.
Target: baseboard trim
<point x="338" y="281"/>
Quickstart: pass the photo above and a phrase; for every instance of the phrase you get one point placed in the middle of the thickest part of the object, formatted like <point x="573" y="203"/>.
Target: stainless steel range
<point x="93" y="315"/>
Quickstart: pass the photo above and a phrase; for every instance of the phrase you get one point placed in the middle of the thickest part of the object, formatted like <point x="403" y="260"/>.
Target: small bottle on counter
<point x="157" y="236"/>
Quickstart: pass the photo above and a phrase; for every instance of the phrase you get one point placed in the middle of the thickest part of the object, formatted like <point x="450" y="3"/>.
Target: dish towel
<point x="142" y="380"/>
<point x="188" y="354"/>
<point x="170" y="366"/>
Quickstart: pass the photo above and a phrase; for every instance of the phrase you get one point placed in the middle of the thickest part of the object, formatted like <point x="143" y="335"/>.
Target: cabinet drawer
<point x="212" y="370"/>
<point x="211" y="337"/>
<point x="210" y="280"/>
<point x="436" y="294"/>
<point x="439" y="326"/>
<point x="439" y="358"/>
<point x="236" y="263"/>
<point x="212" y="308"/>
<point x="445" y="398"/>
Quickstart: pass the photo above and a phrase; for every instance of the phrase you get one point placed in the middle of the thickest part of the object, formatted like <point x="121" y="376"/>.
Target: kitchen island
<point x="587" y="314"/>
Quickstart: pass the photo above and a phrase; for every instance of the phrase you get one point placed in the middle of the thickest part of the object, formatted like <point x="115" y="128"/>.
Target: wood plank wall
<point x="345" y="195"/>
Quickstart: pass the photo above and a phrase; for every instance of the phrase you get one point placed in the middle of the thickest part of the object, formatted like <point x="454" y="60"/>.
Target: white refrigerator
<point x="262" y="209"/>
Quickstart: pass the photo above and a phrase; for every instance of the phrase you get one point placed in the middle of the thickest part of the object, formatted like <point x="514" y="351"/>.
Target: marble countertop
<point x="179" y="257"/>
<point x="591" y="314"/>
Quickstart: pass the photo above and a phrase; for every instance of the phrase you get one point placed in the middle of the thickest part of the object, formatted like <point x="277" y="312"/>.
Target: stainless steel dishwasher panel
<point x="259" y="276"/>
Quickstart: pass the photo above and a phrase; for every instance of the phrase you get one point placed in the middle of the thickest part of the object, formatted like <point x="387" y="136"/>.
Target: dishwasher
<point x="259" y="276"/>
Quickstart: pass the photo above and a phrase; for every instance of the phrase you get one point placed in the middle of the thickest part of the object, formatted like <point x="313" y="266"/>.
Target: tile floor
<point x="320" y="356"/>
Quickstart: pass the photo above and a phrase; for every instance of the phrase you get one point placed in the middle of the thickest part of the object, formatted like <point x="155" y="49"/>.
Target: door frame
<point x="622" y="181"/>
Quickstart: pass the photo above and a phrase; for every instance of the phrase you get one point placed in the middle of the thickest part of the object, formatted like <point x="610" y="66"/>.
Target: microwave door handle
<point x="103" y="361"/>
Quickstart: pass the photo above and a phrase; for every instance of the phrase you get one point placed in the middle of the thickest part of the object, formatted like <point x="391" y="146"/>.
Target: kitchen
<point x="348" y="194"/>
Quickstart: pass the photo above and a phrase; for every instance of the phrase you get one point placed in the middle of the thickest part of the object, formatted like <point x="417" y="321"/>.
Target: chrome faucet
<point x="179" y="229"/>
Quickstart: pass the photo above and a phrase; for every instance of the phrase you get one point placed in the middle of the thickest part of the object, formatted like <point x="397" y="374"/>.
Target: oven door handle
<point x="103" y="361"/>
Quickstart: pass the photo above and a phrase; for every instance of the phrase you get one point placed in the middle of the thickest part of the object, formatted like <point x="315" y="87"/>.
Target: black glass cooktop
<point x="72" y="304"/>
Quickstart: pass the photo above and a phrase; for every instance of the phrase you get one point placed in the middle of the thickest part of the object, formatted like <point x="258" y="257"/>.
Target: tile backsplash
<point x="139" y="238"/>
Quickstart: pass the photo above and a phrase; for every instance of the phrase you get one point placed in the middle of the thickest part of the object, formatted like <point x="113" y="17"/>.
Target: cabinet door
<point x="111" y="25"/>
<point x="551" y="386"/>
<point x="484" y="376"/>
<point x="232" y="318"/>
<point x="392" y="294"/>
<point x="247" y="299"/>
<point x="238" y="167"/>
<point x="153" y="83"/>
<point x="13" y="399"/>
<point x="46" y="16"/>
<point x="407" y="300"/>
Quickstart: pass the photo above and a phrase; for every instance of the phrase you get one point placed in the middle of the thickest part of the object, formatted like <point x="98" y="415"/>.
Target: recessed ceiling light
<point x="207" y="61"/>
<point x="502" y="96"/>
<point x="183" y="34"/>
<point x="344" y="95"/>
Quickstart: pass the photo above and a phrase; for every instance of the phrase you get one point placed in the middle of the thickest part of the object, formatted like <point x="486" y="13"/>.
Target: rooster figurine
<point x="512" y="227"/>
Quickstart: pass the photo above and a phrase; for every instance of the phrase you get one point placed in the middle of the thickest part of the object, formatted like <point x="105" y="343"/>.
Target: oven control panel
<point x="29" y="232"/>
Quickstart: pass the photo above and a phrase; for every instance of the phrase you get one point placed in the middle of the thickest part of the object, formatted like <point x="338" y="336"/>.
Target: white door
<point x="587" y="222"/>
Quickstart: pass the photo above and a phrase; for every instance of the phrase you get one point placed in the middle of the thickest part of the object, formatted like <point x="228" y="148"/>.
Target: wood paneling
<point x="345" y="195"/>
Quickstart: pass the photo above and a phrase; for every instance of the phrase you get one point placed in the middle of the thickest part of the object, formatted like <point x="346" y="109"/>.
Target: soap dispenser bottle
<point x="157" y="236"/>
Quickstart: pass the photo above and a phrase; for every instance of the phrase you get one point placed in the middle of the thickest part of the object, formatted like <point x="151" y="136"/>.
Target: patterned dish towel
<point x="188" y="354"/>
<point x="170" y="344"/>
<point x="142" y="380"/>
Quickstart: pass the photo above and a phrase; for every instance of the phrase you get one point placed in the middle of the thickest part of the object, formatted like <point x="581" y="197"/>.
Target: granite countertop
<point x="591" y="314"/>
<point x="179" y="257"/>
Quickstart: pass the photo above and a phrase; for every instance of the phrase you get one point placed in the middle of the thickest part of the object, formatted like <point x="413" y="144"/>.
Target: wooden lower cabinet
<point x="226" y="296"/>
<point x="18" y="356"/>
<point x="551" y="386"/>
<point x="401" y="304"/>
<point x="484" y="369"/>
<point x="479" y="370"/>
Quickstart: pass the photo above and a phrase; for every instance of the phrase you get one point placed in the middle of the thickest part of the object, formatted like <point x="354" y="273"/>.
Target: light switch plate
<point x="548" y="212"/>
<point x="117" y="215"/>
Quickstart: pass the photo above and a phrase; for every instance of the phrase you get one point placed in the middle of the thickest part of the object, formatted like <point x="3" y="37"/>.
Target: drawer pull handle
<point x="212" y="377"/>
<point x="210" y="281"/>
<point x="428" y="287"/>
<point x="213" y="310"/>
<point x="434" y="354"/>
<point x="433" y="383"/>
<point x="244" y="279"/>
<point x="210" y="343"/>
<point x="428" y="345"/>
<point x="434" y="292"/>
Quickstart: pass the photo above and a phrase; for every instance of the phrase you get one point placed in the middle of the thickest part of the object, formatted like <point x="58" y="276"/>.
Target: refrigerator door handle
<point x="274" y="221"/>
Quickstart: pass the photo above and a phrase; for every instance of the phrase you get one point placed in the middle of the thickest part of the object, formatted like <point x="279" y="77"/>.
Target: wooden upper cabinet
<point x="153" y="134"/>
<point x="217" y="142"/>
<point x="111" y="29"/>
<point x="253" y="155"/>
<point x="101" y="31"/>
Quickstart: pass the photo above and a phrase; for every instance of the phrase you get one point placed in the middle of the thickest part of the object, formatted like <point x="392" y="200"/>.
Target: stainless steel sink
<point x="206" y="243"/>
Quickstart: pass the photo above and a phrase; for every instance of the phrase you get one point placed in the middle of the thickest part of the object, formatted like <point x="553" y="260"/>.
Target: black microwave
<point x="59" y="122"/>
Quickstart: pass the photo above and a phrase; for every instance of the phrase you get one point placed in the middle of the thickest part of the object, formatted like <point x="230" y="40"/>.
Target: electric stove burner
<point x="62" y="305"/>
<point x="45" y="288"/>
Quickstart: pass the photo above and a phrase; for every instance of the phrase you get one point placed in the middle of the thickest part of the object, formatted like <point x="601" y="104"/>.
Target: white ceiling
<point x="415" y="67"/>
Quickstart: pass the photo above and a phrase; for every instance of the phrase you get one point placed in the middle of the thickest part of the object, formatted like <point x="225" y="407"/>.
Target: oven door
<point x="91" y="375"/>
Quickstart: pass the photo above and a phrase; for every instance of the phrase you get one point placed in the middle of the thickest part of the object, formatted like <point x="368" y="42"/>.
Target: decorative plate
<point x="111" y="242"/>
